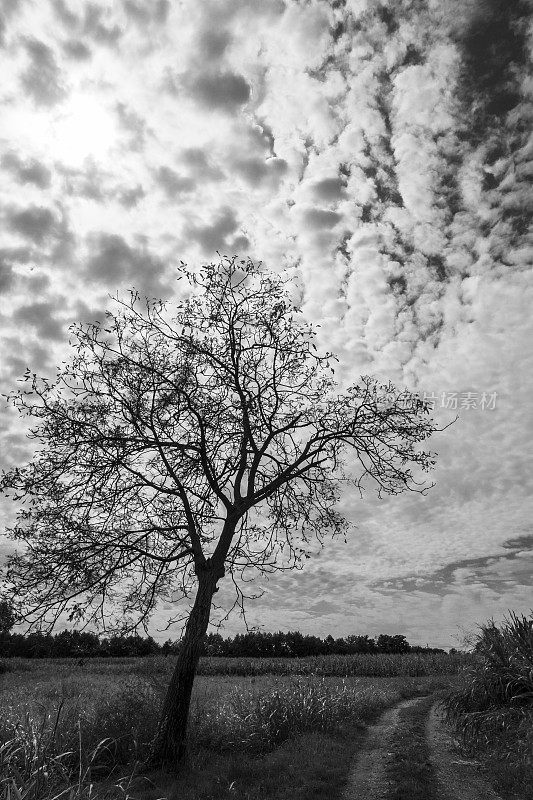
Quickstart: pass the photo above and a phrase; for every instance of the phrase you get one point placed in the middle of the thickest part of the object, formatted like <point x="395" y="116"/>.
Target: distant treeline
<point x="83" y="644"/>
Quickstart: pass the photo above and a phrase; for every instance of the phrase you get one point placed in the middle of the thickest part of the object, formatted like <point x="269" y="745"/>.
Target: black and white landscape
<point x="294" y="178"/>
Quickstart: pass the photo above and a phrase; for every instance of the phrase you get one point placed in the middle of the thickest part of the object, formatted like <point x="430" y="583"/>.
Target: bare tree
<point x="180" y="444"/>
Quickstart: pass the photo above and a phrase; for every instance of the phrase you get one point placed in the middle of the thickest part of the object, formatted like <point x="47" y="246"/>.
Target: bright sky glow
<point x="83" y="128"/>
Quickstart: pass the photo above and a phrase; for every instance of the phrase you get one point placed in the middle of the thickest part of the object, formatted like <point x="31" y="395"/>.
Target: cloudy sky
<point x="380" y="147"/>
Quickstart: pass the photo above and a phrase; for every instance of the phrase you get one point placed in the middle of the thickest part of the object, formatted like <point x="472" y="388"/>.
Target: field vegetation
<point x="75" y="731"/>
<point x="384" y="665"/>
<point x="492" y="706"/>
<point x="261" y="728"/>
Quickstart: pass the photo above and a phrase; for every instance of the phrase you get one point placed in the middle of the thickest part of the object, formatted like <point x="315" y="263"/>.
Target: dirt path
<point x="452" y="776"/>
<point x="367" y="780"/>
<point x="459" y="778"/>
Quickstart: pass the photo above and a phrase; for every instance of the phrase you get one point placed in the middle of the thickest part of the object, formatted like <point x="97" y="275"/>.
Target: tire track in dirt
<point x="451" y="776"/>
<point x="459" y="778"/>
<point x="367" y="779"/>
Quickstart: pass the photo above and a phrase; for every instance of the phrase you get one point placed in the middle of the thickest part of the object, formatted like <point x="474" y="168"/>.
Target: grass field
<point x="260" y="728"/>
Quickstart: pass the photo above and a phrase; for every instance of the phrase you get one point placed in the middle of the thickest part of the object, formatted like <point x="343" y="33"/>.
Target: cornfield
<point x="369" y="665"/>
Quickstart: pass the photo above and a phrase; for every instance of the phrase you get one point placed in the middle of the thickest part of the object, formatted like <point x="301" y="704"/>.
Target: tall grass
<point x="66" y="748"/>
<point x="492" y="708"/>
<point x="58" y="750"/>
<point x="259" y="721"/>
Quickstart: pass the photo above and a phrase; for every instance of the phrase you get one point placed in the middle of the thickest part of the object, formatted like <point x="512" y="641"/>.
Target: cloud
<point x="97" y="27"/>
<point x="172" y="183"/>
<point x="77" y="50"/>
<point x="494" y="570"/>
<point x="257" y="171"/>
<point x="7" y="276"/>
<point x="40" y="316"/>
<point x="65" y="15"/>
<point x="30" y="171"/>
<point x="141" y="14"/>
<point x="200" y="164"/>
<point x="90" y="182"/>
<point x="213" y="43"/>
<point x="95" y="22"/>
<point x="93" y="183"/>
<point x="219" y="91"/>
<point x="9" y="256"/>
<point x="116" y="264"/>
<point x="129" y="197"/>
<point x="9" y="10"/>
<point x="321" y="218"/>
<point x="214" y="236"/>
<point x="132" y="123"/>
<point x="322" y="608"/>
<point x="42" y="78"/>
<point x="519" y="543"/>
<point x="34" y="223"/>
<point x="331" y="189"/>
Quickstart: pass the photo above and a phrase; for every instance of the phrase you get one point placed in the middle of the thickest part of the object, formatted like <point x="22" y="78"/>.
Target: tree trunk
<point x="170" y="744"/>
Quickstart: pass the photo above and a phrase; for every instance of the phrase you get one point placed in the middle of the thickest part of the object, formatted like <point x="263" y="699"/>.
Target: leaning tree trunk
<point x="170" y="744"/>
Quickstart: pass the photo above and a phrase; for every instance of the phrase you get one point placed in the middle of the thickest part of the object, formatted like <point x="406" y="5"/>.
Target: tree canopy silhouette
<point x="7" y="617"/>
<point x="181" y="443"/>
